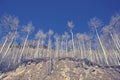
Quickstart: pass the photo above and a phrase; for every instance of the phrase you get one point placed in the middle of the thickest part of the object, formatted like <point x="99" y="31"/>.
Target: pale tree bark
<point x="115" y="42"/>
<point x="23" y="48"/>
<point x="56" y="45"/>
<point x="50" y="33"/>
<point x="73" y="44"/>
<point x="37" y="50"/>
<point x="50" y="57"/>
<point x="6" y="39"/>
<point x="66" y="48"/>
<point x="104" y="52"/>
<point x="28" y="28"/>
<point x="8" y="47"/>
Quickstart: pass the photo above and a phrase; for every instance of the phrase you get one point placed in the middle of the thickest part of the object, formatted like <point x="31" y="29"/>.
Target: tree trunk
<point x="50" y="57"/>
<point x="6" y="39"/>
<point x="66" y="49"/>
<point x="73" y="44"/>
<point x="23" y="48"/>
<point x="37" y="50"/>
<point x="105" y="55"/>
<point x="8" y="48"/>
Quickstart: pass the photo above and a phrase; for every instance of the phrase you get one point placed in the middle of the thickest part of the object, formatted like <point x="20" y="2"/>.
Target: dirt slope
<point x="63" y="69"/>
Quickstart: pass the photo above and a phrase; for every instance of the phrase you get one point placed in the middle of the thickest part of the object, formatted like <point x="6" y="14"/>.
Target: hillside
<point x="62" y="69"/>
<point x="69" y="55"/>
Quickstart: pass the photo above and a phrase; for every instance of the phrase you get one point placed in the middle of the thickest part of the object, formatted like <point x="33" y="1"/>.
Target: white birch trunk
<point x="104" y="52"/>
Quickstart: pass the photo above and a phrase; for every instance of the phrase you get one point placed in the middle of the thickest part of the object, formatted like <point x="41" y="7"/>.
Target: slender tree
<point x="57" y="45"/>
<point x="5" y="41"/>
<point x="81" y="39"/>
<point x="10" y="25"/>
<point x="62" y="44"/>
<point x="95" y="23"/>
<point x="43" y="37"/>
<point x="78" y="36"/>
<point x="71" y="26"/>
<point x="13" y="53"/>
<point x="66" y="42"/>
<point x="50" y="33"/>
<point x="39" y="38"/>
<point x="113" y="30"/>
<point x="28" y="28"/>
<point x="114" y="27"/>
<point x="70" y="54"/>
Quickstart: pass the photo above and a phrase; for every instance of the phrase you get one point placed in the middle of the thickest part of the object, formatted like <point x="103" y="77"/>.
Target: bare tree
<point x="38" y="37"/>
<point x="13" y="53"/>
<point x="95" y="23"/>
<point x="57" y="45"/>
<point x="62" y="44"/>
<point x="50" y="33"/>
<point x="79" y="47"/>
<point x="5" y="41"/>
<point x="111" y="32"/>
<point x="43" y="37"/>
<point x="10" y="25"/>
<point x="71" y="26"/>
<point x="28" y="28"/>
<point x="70" y="54"/>
<point x="114" y="27"/>
<point x="66" y="37"/>
<point x="81" y="44"/>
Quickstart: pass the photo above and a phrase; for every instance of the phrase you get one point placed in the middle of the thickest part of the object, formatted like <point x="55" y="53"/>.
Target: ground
<point x="62" y="69"/>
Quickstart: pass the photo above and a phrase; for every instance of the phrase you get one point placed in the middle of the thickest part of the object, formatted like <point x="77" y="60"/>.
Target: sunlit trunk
<point x="57" y="49"/>
<point x="6" y="39"/>
<point x="62" y="53"/>
<point x="12" y="53"/>
<point x="117" y="47"/>
<point x="73" y="44"/>
<point x="83" y="48"/>
<point x="16" y="57"/>
<point x="20" y="57"/>
<point x="79" y="51"/>
<point x="115" y="53"/>
<point x="66" y="48"/>
<point x="105" y="55"/>
<point x="37" y="50"/>
<point x="12" y="39"/>
<point x="116" y="56"/>
<point x="115" y="42"/>
<point x="90" y="52"/>
<point x="50" y="56"/>
<point x="42" y="44"/>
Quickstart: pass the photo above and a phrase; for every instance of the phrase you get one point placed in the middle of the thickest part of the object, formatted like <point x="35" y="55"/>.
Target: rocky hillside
<point x="62" y="69"/>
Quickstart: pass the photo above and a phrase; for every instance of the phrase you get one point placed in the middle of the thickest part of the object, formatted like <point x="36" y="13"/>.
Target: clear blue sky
<point x="54" y="14"/>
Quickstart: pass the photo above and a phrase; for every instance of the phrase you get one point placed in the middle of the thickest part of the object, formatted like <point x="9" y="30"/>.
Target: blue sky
<point x="54" y="14"/>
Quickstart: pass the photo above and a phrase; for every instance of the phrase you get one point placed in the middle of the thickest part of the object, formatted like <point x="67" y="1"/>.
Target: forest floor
<point x="62" y="69"/>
